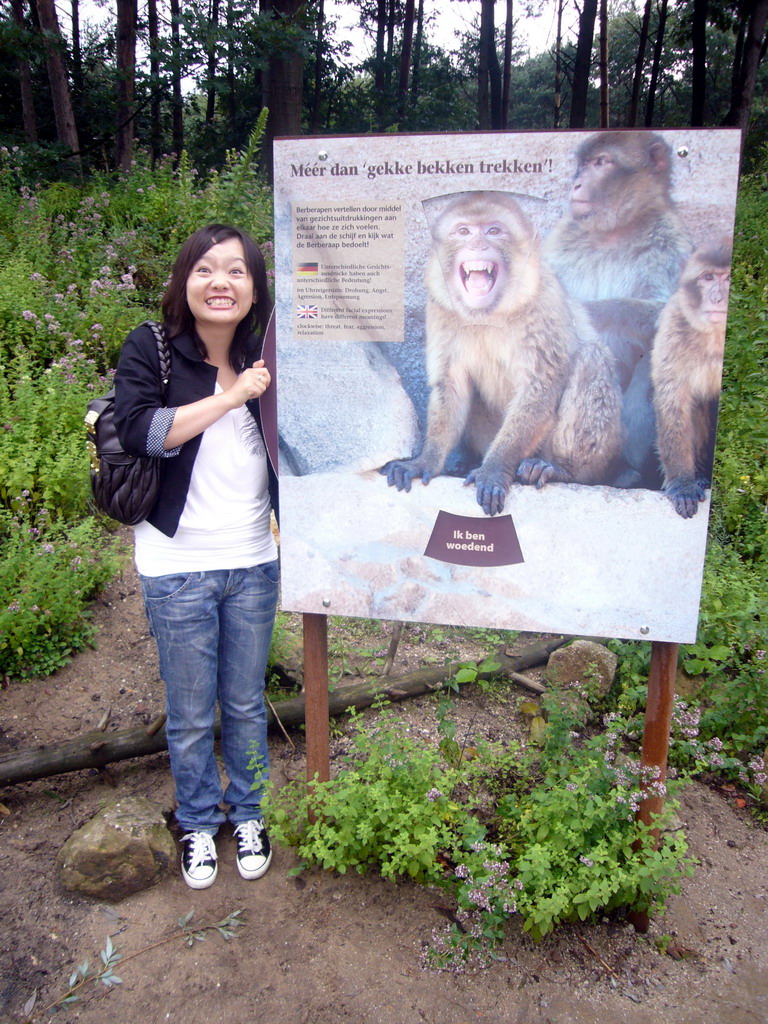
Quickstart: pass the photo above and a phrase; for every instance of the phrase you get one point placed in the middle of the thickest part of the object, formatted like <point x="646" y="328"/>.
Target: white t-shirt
<point x="226" y="519"/>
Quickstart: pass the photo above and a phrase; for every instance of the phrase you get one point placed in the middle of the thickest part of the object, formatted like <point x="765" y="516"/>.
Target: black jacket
<point x="138" y="394"/>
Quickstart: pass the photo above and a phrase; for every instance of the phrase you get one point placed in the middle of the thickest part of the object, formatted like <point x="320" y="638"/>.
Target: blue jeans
<point x="213" y="631"/>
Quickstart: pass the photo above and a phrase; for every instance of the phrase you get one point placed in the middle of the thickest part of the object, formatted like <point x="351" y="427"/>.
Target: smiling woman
<point x="205" y="555"/>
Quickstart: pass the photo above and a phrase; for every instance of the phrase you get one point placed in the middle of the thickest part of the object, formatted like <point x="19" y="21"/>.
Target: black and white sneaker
<point x="253" y="850"/>
<point x="198" y="860"/>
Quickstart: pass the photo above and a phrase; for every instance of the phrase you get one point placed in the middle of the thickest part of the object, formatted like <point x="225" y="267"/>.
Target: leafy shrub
<point x="49" y="571"/>
<point x="387" y="808"/>
<point x="557" y="844"/>
<point x="80" y="266"/>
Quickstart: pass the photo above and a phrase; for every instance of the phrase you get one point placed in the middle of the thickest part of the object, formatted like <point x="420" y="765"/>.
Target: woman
<point x="206" y="555"/>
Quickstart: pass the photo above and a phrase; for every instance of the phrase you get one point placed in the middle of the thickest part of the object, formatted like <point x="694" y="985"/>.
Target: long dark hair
<point x="177" y="316"/>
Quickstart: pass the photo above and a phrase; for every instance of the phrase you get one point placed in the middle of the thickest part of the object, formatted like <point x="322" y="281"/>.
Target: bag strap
<point x="163" y="352"/>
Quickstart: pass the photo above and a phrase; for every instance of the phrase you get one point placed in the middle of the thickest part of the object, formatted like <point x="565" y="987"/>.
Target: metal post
<point x="316" y="696"/>
<point x="658" y="723"/>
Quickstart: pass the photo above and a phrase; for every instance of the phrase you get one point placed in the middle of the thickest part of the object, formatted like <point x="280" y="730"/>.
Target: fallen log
<point x="96" y="749"/>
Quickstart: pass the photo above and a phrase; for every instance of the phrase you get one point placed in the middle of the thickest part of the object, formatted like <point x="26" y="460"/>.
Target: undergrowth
<point x="547" y="835"/>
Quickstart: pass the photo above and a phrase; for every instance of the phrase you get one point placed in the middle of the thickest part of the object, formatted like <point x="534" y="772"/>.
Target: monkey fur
<point x="686" y="367"/>
<point x="620" y="251"/>
<point x="514" y="368"/>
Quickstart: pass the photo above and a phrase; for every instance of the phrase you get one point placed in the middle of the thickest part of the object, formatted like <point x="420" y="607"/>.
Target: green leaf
<point x="466" y="675"/>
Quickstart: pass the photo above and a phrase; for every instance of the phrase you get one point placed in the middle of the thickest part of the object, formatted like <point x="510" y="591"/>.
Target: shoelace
<point x="249" y="837"/>
<point x="202" y="847"/>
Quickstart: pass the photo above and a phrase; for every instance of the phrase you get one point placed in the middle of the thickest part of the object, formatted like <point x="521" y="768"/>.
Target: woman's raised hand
<point x="252" y="383"/>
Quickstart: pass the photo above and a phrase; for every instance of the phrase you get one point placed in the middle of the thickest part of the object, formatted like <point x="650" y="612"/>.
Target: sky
<point x="452" y="18"/>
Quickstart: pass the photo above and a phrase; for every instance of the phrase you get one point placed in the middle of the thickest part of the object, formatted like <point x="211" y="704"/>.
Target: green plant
<point x="563" y="844"/>
<point x="389" y="808"/>
<point x="49" y="572"/>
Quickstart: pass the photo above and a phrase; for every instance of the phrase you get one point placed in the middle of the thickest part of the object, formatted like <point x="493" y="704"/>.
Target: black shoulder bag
<point x="124" y="486"/>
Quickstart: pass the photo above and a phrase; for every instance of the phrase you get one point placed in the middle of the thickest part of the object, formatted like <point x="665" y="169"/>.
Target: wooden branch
<point x="96" y="749"/>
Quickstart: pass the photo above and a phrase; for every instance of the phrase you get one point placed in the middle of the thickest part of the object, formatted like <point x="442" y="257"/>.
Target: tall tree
<point x="658" y="49"/>
<point x="155" y="130"/>
<point x="314" y="121"/>
<point x="28" y="117"/>
<point x="506" y="86"/>
<point x="699" y="64"/>
<point x="405" y="59"/>
<point x="177" y="101"/>
<point x="604" y="108"/>
<point x="282" y="78"/>
<point x="126" y="82"/>
<point x="379" y="64"/>
<point x="417" y="52"/>
<point x="489" y="72"/>
<point x="582" y="64"/>
<point x="61" y="95"/>
<point x="637" y="78"/>
<point x="752" y="28"/>
<point x="559" y="64"/>
<point x="213" y="45"/>
<point x="77" y="56"/>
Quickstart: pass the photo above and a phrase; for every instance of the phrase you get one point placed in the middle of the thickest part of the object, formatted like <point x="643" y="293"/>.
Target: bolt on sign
<point x="498" y="367"/>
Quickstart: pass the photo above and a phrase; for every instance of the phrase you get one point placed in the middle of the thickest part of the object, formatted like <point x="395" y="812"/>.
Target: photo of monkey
<point x="620" y="250"/>
<point x="499" y="360"/>
<point x="514" y="368"/>
<point x="686" y="367"/>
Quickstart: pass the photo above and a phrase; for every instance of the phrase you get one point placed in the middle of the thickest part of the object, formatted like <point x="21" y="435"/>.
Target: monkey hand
<point x="492" y="487"/>
<point x="401" y="473"/>
<point x="540" y="472"/>
<point x="685" y="495"/>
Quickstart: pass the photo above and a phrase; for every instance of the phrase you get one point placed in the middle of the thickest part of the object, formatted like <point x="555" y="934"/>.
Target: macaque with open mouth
<point x="514" y="368"/>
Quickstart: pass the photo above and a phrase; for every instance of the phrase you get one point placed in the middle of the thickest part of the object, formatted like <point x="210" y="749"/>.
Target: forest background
<point x="117" y="142"/>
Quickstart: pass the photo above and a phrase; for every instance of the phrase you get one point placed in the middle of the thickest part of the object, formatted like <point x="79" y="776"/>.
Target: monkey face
<point x="477" y="262"/>
<point x="485" y="261"/>
<point x="713" y="288"/>
<point x="620" y="178"/>
<point x="591" y="177"/>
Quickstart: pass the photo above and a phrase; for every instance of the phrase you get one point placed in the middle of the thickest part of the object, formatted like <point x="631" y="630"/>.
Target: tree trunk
<point x="97" y="749"/>
<point x="583" y="64"/>
<point x="77" y="57"/>
<point x="177" y="102"/>
<point x="231" y="77"/>
<point x="417" y="48"/>
<point x="604" y="99"/>
<point x="282" y="83"/>
<point x="489" y="72"/>
<point x="559" y="64"/>
<point x="699" y="62"/>
<point x="754" y="42"/>
<point x="314" y="124"/>
<point x="389" y="58"/>
<point x="126" y="82"/>
<point x="634" y="103"/>
<point x="61" y="96"/>
<point x="378" y="74"/>
<point x="29" y="120"/>
<point x="155" y="131"/>
<point x="506" y="88"/>
<point x="658" y="50"/>
<point x="210" y="109"/>
<point x="405" y="60"/>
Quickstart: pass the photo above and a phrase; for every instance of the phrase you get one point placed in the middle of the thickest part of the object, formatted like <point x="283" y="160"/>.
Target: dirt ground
<point x="326" y="949"/>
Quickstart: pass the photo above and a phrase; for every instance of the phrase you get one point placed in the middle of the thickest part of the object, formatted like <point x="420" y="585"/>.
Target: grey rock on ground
<point x="123" y="849"/>
<point x="583" y="671"/>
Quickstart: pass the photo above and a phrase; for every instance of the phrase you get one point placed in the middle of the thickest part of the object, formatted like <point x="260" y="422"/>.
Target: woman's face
<point x="219" y="288"/>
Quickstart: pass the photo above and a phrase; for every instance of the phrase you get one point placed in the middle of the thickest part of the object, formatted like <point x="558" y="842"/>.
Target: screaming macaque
<point x="620" y="251"/>
<point x="686" y="367"/>
<point x="514" y="368"/>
